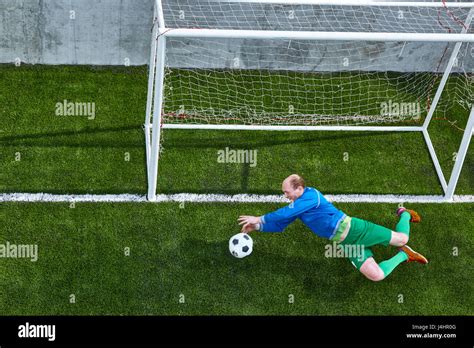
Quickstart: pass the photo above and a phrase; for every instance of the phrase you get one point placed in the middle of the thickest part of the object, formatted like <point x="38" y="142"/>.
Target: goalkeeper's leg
<point x="366" y="264"/>
<point x="364" y="233"/>
<point x="376" y="272"/>
<point x="402" y="231"/>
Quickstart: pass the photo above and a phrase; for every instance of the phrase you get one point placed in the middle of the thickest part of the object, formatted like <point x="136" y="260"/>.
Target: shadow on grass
<point x="75" y="138"/>
<point x="263" y="271"/>
<point x="194" y="139"/>
<point x="266" y="139"/>
<point x="121" y="137"/>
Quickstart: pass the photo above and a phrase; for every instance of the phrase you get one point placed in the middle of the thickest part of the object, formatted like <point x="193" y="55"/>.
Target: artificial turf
<point x="177" y="250"/>
<point x="43" y="152"/>
<point x="179" y="263"/>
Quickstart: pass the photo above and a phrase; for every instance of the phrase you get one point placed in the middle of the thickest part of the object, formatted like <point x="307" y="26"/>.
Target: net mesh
<point x="264" y="16"/>
<point x="298" y="82"/>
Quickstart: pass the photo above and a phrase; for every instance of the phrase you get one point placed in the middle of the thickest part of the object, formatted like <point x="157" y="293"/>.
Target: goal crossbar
<point x="315" y="35"/>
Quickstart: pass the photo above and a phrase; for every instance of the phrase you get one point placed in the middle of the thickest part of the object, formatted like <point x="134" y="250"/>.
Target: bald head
<point x="295" y="181"/>
<point x="293" y="187"/>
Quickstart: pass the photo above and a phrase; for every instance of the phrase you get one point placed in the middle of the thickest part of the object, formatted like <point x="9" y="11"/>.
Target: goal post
<point x="204" y="48"/>
<point x="154" y="98"/>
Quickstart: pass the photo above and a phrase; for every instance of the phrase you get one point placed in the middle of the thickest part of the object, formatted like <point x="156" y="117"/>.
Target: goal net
<point x="310" y="65"/>
<point x="301" y="82"/>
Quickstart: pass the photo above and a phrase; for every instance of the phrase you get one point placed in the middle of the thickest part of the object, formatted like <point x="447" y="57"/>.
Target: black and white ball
<point x="241" y="245"/>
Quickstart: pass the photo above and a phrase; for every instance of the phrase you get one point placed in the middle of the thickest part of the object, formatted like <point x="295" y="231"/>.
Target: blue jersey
<point x="312" y="209"/>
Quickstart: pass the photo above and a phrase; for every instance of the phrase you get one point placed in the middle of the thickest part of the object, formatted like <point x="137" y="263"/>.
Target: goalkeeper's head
<point x="293" y="187"/>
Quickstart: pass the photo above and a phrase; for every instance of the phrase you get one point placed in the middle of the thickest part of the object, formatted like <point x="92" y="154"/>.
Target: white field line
<point x="221" y="198"/>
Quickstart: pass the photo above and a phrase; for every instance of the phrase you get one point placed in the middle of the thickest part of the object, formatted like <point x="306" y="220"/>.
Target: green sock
<point x="389" y="265"/>
<point x="403" y="225"/>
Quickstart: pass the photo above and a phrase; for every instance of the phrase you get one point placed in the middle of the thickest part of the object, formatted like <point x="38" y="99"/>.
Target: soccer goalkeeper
<point x="326" y="221"/>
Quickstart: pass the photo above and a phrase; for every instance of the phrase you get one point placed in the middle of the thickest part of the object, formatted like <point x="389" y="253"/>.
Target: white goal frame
<point x="153" y="122"/>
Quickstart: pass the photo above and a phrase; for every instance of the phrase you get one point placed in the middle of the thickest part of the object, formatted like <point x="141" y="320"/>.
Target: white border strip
<point x="221" y="198"/>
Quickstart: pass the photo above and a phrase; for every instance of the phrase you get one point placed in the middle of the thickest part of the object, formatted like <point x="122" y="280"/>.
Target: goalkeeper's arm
<point x="277" y="221"/>
<point x="278" y="226"/>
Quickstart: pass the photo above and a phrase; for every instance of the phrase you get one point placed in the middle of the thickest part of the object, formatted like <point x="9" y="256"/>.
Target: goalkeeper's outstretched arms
<point x="253" y="223"/>
<point x="293" y="188"/>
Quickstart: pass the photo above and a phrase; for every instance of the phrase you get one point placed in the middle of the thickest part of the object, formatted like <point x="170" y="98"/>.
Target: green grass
<point x="308" y="93"/>
<point x="184" y="251"/>
<point x="62" y="154"/>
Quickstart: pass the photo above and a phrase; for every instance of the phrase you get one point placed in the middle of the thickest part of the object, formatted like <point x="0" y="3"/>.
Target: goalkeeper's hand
<point x="248" y="228"/>
<point x="250" y="223"/>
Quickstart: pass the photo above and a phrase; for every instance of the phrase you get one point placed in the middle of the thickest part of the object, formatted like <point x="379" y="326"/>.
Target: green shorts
<point x="362" y="235"/>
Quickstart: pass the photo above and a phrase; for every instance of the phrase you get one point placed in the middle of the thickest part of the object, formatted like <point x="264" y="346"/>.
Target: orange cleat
<point x="413" y="256"/>
<point x="414" y="215"/>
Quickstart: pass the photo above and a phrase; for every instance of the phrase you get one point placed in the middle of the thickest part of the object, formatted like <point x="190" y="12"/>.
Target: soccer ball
<point x="241" y="245"/>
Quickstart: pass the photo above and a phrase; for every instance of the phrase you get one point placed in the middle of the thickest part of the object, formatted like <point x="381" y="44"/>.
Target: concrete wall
<point x="118" y="32"/>
<point x="95" y="32"/>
